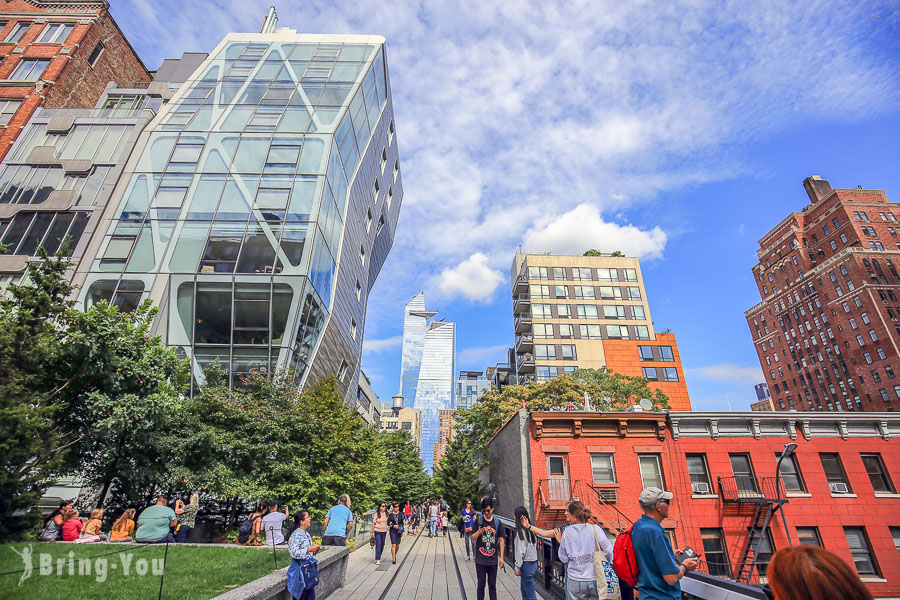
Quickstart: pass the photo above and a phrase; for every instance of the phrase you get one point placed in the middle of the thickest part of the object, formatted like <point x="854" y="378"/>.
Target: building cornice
<point x="714" y="425"/>
<point x="594" y="424"/>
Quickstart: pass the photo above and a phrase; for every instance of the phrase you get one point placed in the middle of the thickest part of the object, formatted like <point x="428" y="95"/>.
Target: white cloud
<point x="376" y="346"/>
<point x="471" y="279"/>
<point x="728" y="373"/>
<point x="583" y="228"/>
<point x="481" y="356"/>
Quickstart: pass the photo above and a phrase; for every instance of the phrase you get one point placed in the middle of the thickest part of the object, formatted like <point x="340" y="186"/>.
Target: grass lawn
<point x="191" y="573"/>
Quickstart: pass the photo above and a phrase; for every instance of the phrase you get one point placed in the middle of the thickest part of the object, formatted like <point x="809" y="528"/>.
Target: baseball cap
<point x="652" y="495"/>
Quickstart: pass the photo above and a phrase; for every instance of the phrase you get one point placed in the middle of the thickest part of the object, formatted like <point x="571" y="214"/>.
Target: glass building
<point x="469" y="387"/>
<point x="426" y="369"/>
<point x="258" y="207"/>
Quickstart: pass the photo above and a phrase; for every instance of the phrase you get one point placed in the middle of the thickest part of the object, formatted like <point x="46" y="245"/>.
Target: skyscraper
<point x="827" y="328"/>
<point x="259" y="205"/>
<point x="572" y="312"/>
<point x="426" y="369"/>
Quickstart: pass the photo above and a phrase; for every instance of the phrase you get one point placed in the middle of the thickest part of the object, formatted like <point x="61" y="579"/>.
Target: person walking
<point x="445" y="523"/>
<point x="525" y="554"/>
<point x="338" y="523"/>
<point x="576" y="550"/>
<point x="301" y="550"/>
<point x="395" y="524"/>
<point x="813" y="573"/>
<point x="489" y="539"/>
<point x="468" y="522"/>
<point x="658" y="573"/>
<point x="407" y="512"/>
<point x="433" y="512"/>
<point x="187" y="520"/>
<point x="379" y="530"/>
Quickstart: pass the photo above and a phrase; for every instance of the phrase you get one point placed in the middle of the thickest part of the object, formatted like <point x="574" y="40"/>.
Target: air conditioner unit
<point x="839" y="488"/>
<point x="700" y="488"/>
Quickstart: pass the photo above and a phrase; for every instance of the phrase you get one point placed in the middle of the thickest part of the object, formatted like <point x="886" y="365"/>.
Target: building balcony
<point x="524" y="343"/>
<point x="526" y="379"/>
<point x="521" y="284"/>
<point x="525" y="363"/>
<point x="751" y="489"/>
<point x="521" y="303"/>
<point x="523" y="323"/>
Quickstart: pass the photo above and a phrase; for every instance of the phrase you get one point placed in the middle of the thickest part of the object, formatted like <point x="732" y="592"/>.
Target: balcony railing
<point x="524" y="343"/>
<point x="523" y="323"/>
<point x="526" y="379"/>
<point x="521" y="303"/>
<point x="521" y="284"/>
<point x="525" y="363"/>
<point x="751" y="489"/>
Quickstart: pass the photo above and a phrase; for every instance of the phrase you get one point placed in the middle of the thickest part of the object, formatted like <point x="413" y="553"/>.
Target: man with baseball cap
<point x="658" y="573"/>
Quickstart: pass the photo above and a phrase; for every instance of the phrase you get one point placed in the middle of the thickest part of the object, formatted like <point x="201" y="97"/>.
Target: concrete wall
<point x="510" y="471"/>
<point x="332" y="571"/>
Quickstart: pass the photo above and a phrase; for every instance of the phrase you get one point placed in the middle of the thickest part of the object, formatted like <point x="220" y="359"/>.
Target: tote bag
<point x="607" y="580"/>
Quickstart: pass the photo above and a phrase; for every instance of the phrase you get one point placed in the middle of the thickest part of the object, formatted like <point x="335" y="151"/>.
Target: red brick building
<point x="58" y="54"/>
<point x="828" y="326"/>
<point x="838" y="490"/>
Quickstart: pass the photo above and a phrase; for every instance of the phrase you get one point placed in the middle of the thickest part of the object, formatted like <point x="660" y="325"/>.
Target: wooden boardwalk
<point x="426" y="568"/>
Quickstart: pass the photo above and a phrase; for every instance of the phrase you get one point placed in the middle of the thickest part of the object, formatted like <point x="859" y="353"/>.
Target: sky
<point x="679" y="132"/>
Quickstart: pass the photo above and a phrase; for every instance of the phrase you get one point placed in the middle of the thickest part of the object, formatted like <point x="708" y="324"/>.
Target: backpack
<point x="246" y="529"/>
<point x="624" y="559"/>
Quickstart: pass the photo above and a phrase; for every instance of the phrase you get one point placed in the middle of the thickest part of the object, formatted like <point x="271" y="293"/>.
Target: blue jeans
<point x="379" y="543"/>
<point x="183" y="533"/>
<point x="526" y="580"/>
<point x="433" y="525"/>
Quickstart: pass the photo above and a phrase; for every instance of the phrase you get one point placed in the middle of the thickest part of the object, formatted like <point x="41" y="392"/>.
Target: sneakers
<point x="395" y="562"/>
<point x="377" y="562"/>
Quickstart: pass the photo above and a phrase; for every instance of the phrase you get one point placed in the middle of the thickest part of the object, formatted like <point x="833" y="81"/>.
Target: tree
<point x="403" y="474"/>
<point x="33" y="445"/>
<point x="595" y="252"/>
<point x="456" y="476"/>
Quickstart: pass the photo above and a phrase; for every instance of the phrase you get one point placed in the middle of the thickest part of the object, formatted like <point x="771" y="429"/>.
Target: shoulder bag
<point x="607" y="581"/>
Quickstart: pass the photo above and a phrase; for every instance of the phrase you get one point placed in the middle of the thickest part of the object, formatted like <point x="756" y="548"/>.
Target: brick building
<point x="827" y="328"/>
<point x="573" y="312"/>
<point x="445" y="434"/>
<point x="58" y="54"/>
<point x="837" y="489"/>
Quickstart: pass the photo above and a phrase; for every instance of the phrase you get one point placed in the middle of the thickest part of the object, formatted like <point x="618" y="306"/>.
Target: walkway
<point x="426" y="568"/>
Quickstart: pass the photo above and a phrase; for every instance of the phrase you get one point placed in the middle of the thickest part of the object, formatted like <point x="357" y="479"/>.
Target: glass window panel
<point x="51" y="180"/>
<point x="281" y="306"/>
<point x="29" y="69"/>
<point x="293" y="242"/>
<point x="251" y="155"/>
<point x="92" y="141"/>
<point x="344" y="71"/>
<point x="877" y="474"/>
<point x="743" y="473"/>
<point x="268" y="198"/>
<point x="143" y="258"/>
<point x="72" y="142"/>
<point x="161" y="145"/>
<point x="236" y="119"/>
<point x="212" y="322"/>
<point x="809" y="536"/>
<point x="697" y="469"/>
<point x="169" y="197"/>
<point x="253" y="93"/>
<point x="295" y="119"/>
<point x="222" y="249"/>
<point x="99" y="291"/>
<point x="325" y="119"/>
<point x="189" y="245"/>
<point x="235" y="205"/>
<point x="859" y="548"/>
<point x="790" y="474"/>
<point x="185" y="307"/>
<point x="304" y="198"/>
<point x="204" y="197"/>
<point x="257" y="253"/>
<point x="651" y="475"/>
<point x="202" y="121"/>
<point x="311" y="158"/>
<point x="78" y="227"/>
<point x="603" y="468"/>
<point x="355" y="52"/>
<point x="335" y="94"/>
<point x="36" y="233"/>
<point x="57" y="232"/>
<point x="247" y="360"/>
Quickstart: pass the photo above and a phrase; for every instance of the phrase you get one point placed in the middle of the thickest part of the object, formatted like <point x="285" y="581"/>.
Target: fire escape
<point x="761" y="497"/>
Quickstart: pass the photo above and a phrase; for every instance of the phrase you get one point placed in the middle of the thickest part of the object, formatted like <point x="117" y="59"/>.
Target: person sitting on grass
<point x="71" y="528"/>
<point x="123" y="528"/>
<point x="155" y="522"/>
<point x="91" y="531"/>
<point x="51" y="530"/>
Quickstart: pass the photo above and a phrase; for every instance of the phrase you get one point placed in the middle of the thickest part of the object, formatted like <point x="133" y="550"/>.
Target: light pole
<point x="788" y="452"/>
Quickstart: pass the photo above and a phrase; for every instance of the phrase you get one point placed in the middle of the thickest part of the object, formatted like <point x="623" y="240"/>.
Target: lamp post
<point x="788" y="452"/>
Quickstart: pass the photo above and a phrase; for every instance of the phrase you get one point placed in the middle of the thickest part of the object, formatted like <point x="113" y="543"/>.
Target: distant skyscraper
<point x="469" y="387"/>
<point x="426" y="369"/>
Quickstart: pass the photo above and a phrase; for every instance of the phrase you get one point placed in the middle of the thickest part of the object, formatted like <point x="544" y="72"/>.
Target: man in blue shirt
<point x="658" y="573"/>
<point x="338" y="523"/>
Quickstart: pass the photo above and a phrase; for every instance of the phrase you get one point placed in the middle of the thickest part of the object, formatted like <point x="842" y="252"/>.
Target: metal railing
<point x="749" y="488"/>
<point x="525" y="339"/>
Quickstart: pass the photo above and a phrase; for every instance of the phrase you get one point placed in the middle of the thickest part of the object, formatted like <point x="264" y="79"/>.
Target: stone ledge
<point x="332" y="570"/>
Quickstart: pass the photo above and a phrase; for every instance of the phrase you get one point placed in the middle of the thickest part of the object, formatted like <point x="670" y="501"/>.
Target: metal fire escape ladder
<point x="756" y="533"/>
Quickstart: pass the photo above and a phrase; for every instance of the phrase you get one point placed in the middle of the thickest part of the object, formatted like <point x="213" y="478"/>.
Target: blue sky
<point x="679" y="132"/>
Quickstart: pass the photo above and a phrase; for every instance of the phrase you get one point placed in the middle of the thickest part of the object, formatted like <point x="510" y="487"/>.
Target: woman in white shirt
<point x="576" y="550"/>
<point x="525" y="551"/>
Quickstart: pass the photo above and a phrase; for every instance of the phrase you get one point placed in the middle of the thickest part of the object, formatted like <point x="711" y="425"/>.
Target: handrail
<point x="603" y="502"/>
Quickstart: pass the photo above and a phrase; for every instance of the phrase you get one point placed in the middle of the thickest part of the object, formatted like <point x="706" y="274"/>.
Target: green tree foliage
<point x="404" y="476"/>
<point x="595" y="252"/>
<point x="456" y="477"/>
<point x="33" y="444"/>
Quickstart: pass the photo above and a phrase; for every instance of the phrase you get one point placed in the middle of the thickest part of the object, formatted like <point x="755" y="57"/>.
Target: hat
<point x="652" y="495"/>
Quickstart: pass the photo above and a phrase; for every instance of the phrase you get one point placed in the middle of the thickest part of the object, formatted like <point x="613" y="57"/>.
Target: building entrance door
<point x="559" y="488"/>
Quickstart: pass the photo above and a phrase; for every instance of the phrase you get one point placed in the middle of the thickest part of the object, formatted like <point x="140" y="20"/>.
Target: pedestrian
<point x="433" y="515"/>
<point x="51" y="529"/>
<point x="468" y="521"/>
<point x="155" y="523"/>
<point x="379" y="530"/>
<point x="187" y="520"/>
<point x="272" y="523"/>
<point x="489" y="539"/>
<point x="338" y="523"/>
<point x="123" y="528"/>
<point x="407" y="512"/>
<point x="576" y="550"/>
<point x="443" y="504"/>
<point x="445" y="523"/>
<point x="395" y="524"/>
<point x="302" y="552"/>
<point x="813" y="573"/>
<point x="525" y="554"/>
<point x="71" y="527"/>
<point x="248" y="534"/>
<point x="658" y="572"/>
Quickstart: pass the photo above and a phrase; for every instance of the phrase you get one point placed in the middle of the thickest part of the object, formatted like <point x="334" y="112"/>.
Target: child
<point x="445" y="523"/>
<point x="71" y="526"/>
<point x="123" y="528"/>
<point x="91" y="530"/>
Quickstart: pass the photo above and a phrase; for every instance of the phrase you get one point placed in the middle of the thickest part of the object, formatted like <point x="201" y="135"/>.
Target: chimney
<point x="816" y="188"/>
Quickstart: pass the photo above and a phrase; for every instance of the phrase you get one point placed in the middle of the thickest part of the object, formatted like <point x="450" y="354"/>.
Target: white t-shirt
<point x="271" y="524"/>
<point x="576" y="549"/>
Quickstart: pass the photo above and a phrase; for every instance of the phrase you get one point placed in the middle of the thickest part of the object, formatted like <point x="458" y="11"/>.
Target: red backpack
<point x="624" y="559"/>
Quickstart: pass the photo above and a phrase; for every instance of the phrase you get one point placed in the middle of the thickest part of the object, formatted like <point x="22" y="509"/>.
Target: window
<point x="537" y="273"/>
<point x="539" y="291"/>
<point x="610" y="293"/>
<point x="881" y="354"/>
<point x="617" y="332"/>
<point x="638" y="312"/>
<point x="765" y="551"/>
<point x="743" y="473"/>
<point x="895" y="533"/>
<point x="790" y="474"/>
<point x="877" y="473"/>
<point x="95" y="53"/>
<point x="631" y="275"/>
<point x="560" y="291"/>
<point x="603" y="468"/>
<point x="651" y="473"/>
<point x="559" y="273"/>
<point x="634" y="293"/>
<point x="666" y="354"/>
<point x="587" y="311"/>
<point x="613" y="311"/>
<point x="541" y="311"/>
<point x="670" y="374"/>
<point x="809" y="536"/>
<point x="546" y="373"/>
<point x="30" y="69"/>
<point x="353" y="328"/>
<point x="565" y="331"/>
<point x="641" y="332"/>
<point x="650" y="373"/>
<point x="342" y="372"/>
<point x="645" y="352"/>
<point x="56" y="33"/>
<point x="860" y="549"/>
<point x="358" y="291"/>
<point x="590" y="332"/>
<point x="699" y="474"/>
<point x="584" y="291"/>
<point x="581" y="274"/>
<point x="834" y="473"/>
<point x="607" y="275"/>
<point x="18" y="31"/>
<point x="7" y="109"/>
<point x="563" y="311"/>
<point x="368" y="219"/>
<point x="716" y="552"/>
<point x="568" y="352"/>
<point x="544" y="352"/>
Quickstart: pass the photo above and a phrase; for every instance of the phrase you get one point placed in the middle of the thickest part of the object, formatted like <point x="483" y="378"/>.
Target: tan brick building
<point x="446" y="422"/>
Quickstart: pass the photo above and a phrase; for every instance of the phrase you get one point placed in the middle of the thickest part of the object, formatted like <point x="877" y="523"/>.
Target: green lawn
<point x="191" y="573"/>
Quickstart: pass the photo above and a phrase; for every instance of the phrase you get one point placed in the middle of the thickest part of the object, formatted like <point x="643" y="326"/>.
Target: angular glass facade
<point x="248" y="209"/>
<point x="469" y="387"/>
<point x="426" y="369"/>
